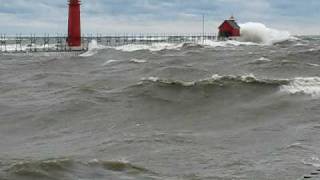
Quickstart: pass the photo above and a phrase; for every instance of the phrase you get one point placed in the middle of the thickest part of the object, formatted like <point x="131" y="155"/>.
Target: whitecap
<point x="295" y="145"/>
<point x="138" y="60"/>
<point x="303" y="85"/>
<point x="110" y="61"/>
<point x="212" y="43"/>
<point x="259" y="33"/>
<point x="93" y="48"/>
<point x="264" y="59"/>
<point x="312" y="64"/>
<point x="152" y="78"/>
<point x="261" y="60"/>
<point x="313" y="161"/>
<point x="300" y="44"/>
<point x="150" y="47"/>
<point x="215" y="79"/>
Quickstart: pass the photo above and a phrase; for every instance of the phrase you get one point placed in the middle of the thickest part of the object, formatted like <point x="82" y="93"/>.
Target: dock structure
<point x="75" y="41"/>
<point x="46" y="43"/>
<point x="33" y="43"/>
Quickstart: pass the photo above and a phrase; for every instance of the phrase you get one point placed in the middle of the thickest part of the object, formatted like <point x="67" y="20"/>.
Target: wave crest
<point x="259" y="33"/>
<point x="93" y="48"/>
<point x="300" y="85"/>
<point x="40" y="169"/>
<point x="121" y="166"/>
<point x="218" y="80"/>
<point x="65" y="168"/>
<point x="151" y="47"/>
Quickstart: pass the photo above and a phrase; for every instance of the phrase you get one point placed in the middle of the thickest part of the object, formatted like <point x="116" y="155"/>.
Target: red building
<point x="229" y="28"/>
<point x="74" y="24"/>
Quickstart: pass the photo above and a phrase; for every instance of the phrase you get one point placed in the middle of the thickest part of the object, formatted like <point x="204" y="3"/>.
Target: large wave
<point x="260" y="33"/>
<point x="65" y="168"/>
<point x="219" y="80"/>
<point x="300" y="85"/>
<point x="306" y="85"/>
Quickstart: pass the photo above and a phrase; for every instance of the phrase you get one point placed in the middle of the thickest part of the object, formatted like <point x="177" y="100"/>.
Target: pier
<point x="47" y="43"/>
<point x="77" y="41"/>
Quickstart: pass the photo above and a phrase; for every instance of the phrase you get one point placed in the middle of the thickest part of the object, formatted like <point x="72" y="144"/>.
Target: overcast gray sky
<point x="183" y="16"/>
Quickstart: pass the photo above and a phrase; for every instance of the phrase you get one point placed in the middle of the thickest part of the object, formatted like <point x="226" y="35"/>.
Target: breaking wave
<point x="261" y="60"/>
<point x="313" y="161"/>
<point x="93" y="48"/>
<point x="308" y="86"/>
<point x="138" y="60"/>
<point x="259" y="33"/>
<point x="178" y="46"/>
<point x="218" y="80"/>
<point x="313" y="64"/>
<point x="151" y="47"/>
<point x="110" y="62"/>
<point x="228" y="43"/>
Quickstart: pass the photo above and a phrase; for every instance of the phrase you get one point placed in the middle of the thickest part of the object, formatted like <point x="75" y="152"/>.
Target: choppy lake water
<point x="225" y="110"/>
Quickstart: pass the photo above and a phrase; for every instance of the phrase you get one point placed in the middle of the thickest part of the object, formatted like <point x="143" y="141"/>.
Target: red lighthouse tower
<point x="74" y="24"/>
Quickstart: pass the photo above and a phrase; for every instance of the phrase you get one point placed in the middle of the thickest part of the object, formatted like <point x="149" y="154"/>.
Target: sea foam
<point x="211" y="43"/>
<point x="313" y="161"/>
<point x="217" y="79"/>
<point x="300" y="85"/>
<point x="305" y="86"/>
<point x="150" y="47"/>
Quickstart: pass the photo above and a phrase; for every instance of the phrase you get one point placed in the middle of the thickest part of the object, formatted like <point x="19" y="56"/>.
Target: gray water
<point x="189" y="113"/>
